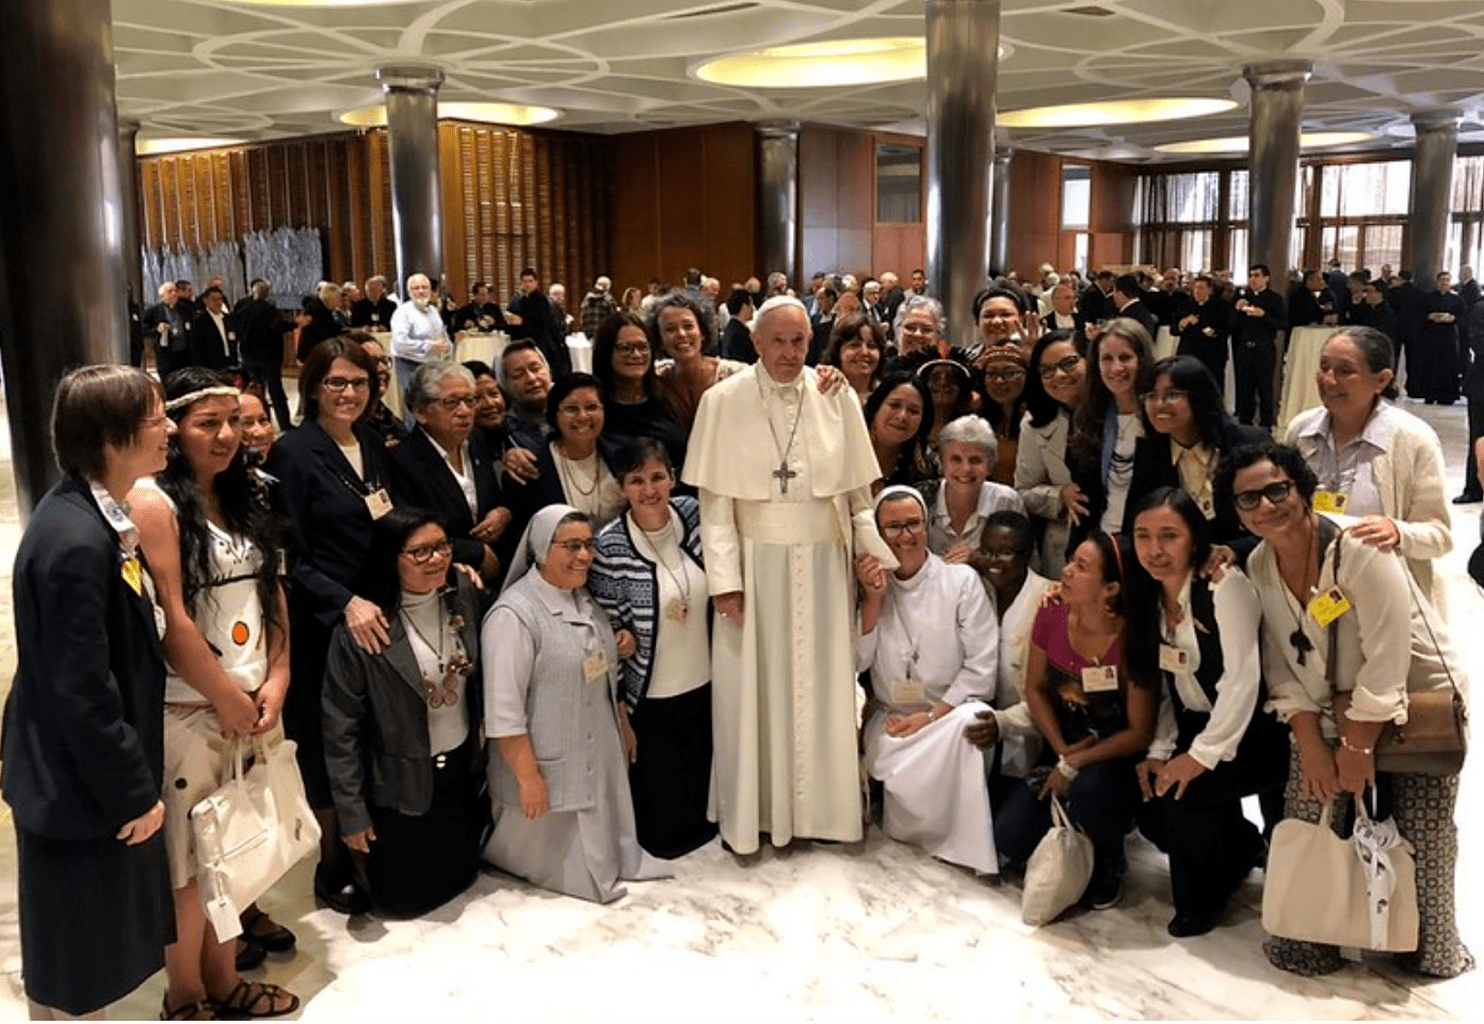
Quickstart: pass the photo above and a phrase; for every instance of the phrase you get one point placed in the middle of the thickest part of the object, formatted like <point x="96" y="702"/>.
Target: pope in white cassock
<point x="784" y="474"/>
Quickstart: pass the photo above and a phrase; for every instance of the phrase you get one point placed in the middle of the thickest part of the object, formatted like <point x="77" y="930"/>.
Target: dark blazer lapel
<point x="437" y="472"/>
<point x="400" y="657"/>
<point x="486" y="487"/>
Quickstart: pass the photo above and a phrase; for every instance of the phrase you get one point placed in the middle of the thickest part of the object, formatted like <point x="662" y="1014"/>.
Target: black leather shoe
<point x="249" y="954"/>
<point x="1468" y="498"/>
<point x="1185" y="926"/>
<point x="341" y="896"/>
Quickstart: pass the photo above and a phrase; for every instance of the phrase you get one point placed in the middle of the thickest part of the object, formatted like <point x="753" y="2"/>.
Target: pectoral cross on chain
<point x="783" y="475"/>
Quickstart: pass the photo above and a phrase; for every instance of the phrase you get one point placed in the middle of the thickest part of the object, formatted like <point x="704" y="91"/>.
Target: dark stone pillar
<point x="130" y="233"/>
<point x="778" y="198"/>
<point x="411" y="92"/>
<point x="1432" y="195"/>
<point x="999" y="223"/>
<point x="62" y="293"/>
<point x="1277" y="114"/>
<point x="963" y="41"/>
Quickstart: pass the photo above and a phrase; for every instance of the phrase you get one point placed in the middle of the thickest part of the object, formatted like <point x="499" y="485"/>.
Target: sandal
<point x="201" y="1009"/>
<point x="275" y="939"/>
<point x="252" y="999"/>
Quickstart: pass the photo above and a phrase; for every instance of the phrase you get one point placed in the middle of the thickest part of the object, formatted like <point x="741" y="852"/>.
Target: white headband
<point x="192" y="397"/>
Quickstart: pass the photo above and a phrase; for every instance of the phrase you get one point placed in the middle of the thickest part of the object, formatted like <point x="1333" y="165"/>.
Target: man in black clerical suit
<point x="1127" y="299"/>
<point x="213" y="335"/>
<point x="1309" y="303"/>
<point x="1257" y="317"/>
<point x="1203" y="323"/>
<point x="480" y="314"/>
<point x="1096" y="301"/>
<point x="374" y="310"/>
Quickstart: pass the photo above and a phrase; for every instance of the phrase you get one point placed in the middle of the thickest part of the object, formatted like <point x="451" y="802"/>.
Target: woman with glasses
<point x="1386" y="641"/>
<point x="634" y="404"/>
<point x="336" y="485"/>
<point x="1053" y="392"/>
<point x="83" y="743"/>
<point x="564" y="819"/>
<point x="1376" y="463"/>
<point x="919" y="327"/>
<point x="575" y="465"/>
<point x="444" y="466"/>
<point x="1186" y="432"/>
<point x="402" y="726"/>
<point x="928" y="638"/>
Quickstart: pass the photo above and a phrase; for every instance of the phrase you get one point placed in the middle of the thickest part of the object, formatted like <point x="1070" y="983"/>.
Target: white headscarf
<point x="898" y="491"/>
<point x="536" y="541"/>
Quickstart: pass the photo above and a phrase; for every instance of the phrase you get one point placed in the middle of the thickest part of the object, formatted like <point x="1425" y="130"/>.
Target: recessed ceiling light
<point x="840" y="62"/>
<point x="1239" y="143"/>
<point x="153" y="147"/>
<point x="490" y="113"/>
<point x="1106" y="112"/>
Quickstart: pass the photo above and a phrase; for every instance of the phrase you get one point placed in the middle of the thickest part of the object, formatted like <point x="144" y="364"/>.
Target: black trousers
<point x="671" y="780"/>
<point x="1256" y="363"/>
<point x="1476" y="431"/>
<point x="271" y="375"/>
<point x="1211" y="352"/>
<point x="1211" y="844"/>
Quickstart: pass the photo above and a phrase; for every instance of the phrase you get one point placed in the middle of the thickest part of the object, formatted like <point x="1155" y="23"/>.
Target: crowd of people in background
<point x="488" y="622"/>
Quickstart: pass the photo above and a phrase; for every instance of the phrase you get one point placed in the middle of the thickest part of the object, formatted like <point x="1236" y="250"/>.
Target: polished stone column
<point x="130" y="233"/>
<point x="1277" y="111"/>
<point x="62" y="299"/>
<point x="778" y="198"/>
<point x="999" y="220"/>
<point x="963" y="41"/>
<point x="1432" y="195"/>
<point x="411" y="92"/>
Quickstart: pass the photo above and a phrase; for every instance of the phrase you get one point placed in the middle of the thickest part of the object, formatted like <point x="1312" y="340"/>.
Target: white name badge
<point x="595" y="667"/>
<point x="1173" y="659"/>
<point x="1099" y="678"/>
<point x="907" y="692"/>
<point x="378" y="503"/>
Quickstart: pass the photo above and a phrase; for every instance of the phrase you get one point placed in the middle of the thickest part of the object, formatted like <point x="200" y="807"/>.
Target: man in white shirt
<point x="418" y="334"/>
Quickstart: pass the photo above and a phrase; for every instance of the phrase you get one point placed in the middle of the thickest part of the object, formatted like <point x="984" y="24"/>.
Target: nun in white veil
<point x="558" y="774"/>
<point x="930" y="641"/>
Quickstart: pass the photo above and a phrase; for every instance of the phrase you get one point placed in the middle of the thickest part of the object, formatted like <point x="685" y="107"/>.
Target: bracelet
<point x="1065" y="767"/>
<point x="1366" y="751"/>
<point x="932" y="714"/>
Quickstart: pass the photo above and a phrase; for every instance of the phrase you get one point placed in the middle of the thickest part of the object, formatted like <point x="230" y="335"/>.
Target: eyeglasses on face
<point x="452" y="402"/>
<point x="1169" y="396"/>
<point x="631" y="348"/>
<point x="1067" y="366"/>
<point x="573" y="547"/>
<point x="335" y="385"/>
<point x="891" y="531"/>
<point x="425" y="553"/>
<point x="1276" y="493"/>
<point x="1005" y="376"/>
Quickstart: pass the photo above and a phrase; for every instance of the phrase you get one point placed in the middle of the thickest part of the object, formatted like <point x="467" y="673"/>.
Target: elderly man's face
<point x="1063" y="299"/>
<point x="450" y="417"/>
<point x="214" y="301"/>
<point x="781" y="338"/>
<point x="419" y="287"/>
<point x="374" y="291"/>
<point x="168" y="294"/>
<point x="529" y="378"/>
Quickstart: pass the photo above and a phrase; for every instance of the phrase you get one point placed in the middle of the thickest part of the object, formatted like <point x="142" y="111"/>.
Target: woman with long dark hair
<point x="633" y="398"/>
<point x="1055" y="388"/>
<point x="899" y="415"/>
<point x="213" y="543"/>
<point x="1216" y="743"/>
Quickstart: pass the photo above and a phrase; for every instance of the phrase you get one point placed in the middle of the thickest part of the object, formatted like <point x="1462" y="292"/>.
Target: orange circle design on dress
<point x="240" y="633"/>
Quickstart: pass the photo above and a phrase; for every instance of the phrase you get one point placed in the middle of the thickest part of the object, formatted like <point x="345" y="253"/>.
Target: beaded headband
<point x="192" y="397"/>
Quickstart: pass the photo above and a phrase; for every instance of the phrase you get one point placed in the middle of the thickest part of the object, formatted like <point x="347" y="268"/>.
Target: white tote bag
<point x="250" y="832"/>
<point x="1058" y="870"/>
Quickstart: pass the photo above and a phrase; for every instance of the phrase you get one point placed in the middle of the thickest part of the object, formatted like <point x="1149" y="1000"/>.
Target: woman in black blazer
<point x="402" y="726"/>
<point x="1183" y="416"/>
<point x="444" y="401"/>
<point x="83" y="741"/>
<point x="335" y="484"/>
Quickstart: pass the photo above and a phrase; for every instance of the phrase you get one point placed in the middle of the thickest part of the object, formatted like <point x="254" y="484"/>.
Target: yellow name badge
<point x="133" y="576"/>
<point x="1331" y="501"/>
<point x="1099" y="678"/>
<point x="1329" y="606"/>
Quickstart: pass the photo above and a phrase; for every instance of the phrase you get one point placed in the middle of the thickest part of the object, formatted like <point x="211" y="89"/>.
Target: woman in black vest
<point x="1214" y="743"/>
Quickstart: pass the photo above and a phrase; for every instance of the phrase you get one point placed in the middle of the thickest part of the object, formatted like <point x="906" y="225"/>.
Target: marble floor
<point x="874" y="931"/>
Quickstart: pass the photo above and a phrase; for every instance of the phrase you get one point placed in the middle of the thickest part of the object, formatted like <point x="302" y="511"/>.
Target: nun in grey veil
<point x="558" y="777"/>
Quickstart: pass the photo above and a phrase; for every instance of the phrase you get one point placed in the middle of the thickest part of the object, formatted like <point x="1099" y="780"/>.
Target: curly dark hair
<point x="680" y="300"/>
<point x="1285" y="457"/>
<point x="242" y="497"/>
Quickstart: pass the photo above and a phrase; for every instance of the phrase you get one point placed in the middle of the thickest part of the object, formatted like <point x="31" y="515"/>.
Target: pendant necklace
<point x="782" y="474"/>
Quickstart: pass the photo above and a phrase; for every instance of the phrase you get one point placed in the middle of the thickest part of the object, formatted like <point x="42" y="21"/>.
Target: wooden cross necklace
<point x="782" y="474"/>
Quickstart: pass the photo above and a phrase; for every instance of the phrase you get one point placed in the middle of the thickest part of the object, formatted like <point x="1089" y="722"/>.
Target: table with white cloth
<point x="1166" y="342"/>
<point x="484" y="346"/>
<point x="1301" y="370"/>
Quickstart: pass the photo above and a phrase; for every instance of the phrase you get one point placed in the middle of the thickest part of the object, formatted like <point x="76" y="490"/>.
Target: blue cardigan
<point x="626" y="586"/>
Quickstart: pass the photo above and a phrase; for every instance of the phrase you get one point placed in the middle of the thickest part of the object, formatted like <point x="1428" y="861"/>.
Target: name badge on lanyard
<point x="1333" y="502"/>
<point x="595" y="666"/>
<point x="1099" y="678"/>
<point x="378" y="503"/>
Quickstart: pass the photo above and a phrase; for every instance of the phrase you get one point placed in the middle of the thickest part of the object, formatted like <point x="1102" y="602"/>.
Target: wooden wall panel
<point x="1035" y="214"/>
<point x="837" y="208"/>
<point x="680" y="198"/>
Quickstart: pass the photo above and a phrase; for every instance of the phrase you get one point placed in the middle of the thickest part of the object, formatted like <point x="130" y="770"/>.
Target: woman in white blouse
<point x="929" y="640"/>
<point x="962" y="501"/>
<point x="1213" y="743"/>
<point x="1388" y="642"/>
<point x="1376" y="462"/>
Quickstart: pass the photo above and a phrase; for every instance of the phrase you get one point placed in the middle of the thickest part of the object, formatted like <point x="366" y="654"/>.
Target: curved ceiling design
<point x="255" y="70"/>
